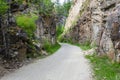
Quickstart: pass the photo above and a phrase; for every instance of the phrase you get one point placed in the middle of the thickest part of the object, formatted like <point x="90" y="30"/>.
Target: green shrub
<point x="64" y="39"/>
<point x="59" y="30"/>
<point x="85" y="46"/>
<point x="49" y="48"/>
<point x="27" y="23"/>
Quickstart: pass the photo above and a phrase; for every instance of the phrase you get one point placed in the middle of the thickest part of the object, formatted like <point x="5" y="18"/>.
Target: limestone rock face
<point x="109" y="41"/>
<point x="81" y="30"/>
<point x="98" y="23"/>
<point x="74" y="13"/>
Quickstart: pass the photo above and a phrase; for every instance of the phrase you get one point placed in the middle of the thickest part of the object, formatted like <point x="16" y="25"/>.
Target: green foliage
<point x="85" y="46"/>
<point x="63" y="9"/>
<point x="3" y="7"/>
<point x="65" y="40"/>
<point x="104" y="69"/>
<point x="49" y="48"/>
<point x="27" y="23"/>
<point x="59" y="30"/>
<point x="46" y="7"/>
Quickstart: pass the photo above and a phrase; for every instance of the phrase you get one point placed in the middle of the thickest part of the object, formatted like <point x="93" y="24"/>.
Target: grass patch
<point x="85" y="46"/>
<point x="52" y="48"/>
<point x="104" y="69"/>
<point x="49" y="48"/>
<point x="27" y="23"/>
<point x="59" y="31"/>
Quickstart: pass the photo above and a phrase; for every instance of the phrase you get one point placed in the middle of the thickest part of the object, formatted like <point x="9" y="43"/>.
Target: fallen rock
<point x="89" y="52"/>
<point x="44" y="53"/>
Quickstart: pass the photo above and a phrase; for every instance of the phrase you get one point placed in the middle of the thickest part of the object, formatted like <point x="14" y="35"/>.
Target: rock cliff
<point x="18" y="44"/>
<point x="98" y="22"/>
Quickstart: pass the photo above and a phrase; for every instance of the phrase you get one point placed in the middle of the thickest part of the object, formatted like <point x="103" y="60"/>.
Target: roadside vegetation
<point x="27" y="23"/>
<point x="104" y="69"/>
<point x="50" y="48"/>
<point x="61" y="11"/>
<point x="85" y="46"/>
<point x="59" y="30"/>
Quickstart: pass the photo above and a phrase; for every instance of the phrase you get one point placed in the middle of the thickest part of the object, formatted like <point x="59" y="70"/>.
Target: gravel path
<point x="68" y="63"/>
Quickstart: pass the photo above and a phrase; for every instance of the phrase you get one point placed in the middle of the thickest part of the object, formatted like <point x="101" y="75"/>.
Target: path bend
<point x="68" y="63"/>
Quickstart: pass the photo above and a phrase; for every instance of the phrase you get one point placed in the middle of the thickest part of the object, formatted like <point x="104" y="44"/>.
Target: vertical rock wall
<point x="100" y="24"/>
<point x="74" y="13"/>
<point x="15" y="45"/>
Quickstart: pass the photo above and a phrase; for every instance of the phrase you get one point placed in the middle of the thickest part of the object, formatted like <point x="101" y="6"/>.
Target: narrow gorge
<point x="96" y="22"/>
<point x="52" y="39"/>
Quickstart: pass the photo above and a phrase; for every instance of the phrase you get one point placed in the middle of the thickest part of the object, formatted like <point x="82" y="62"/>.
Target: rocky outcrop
<point x="109" y="43"/>
<point x="78" y="28"/>
<point x="99" y="24"/>
<point x="74" y="13"/>
<point x="16" y="46"/>
<point x="46" y="29"/>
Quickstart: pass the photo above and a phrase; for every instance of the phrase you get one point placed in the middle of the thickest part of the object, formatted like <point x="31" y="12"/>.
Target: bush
<point x="49" y="48"/>
<point x="59" y="30"/>
<point x="27" y="23"/>
<point x="85" y="46"/>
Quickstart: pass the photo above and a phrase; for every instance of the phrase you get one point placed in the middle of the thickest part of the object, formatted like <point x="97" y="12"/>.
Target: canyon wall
<point x="98" y="23"/>
<point x="20" y="43"/>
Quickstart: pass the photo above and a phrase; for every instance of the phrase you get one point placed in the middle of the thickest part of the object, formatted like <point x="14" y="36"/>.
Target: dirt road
<point x="68" y="63"/>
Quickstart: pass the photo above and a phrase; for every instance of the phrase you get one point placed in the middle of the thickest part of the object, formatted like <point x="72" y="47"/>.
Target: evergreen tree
<point x="46" y="7"/>
<point x="63" y="10"/>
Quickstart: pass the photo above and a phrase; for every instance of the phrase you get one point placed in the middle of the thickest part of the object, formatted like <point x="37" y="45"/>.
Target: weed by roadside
<point x="103" y="68"/>
<point x="85" y="46"/>
<point x="59" y="31"/>
<point x="49" y="48"/>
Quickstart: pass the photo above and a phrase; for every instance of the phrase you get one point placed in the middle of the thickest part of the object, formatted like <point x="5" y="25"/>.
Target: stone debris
<point x="89" y="52"/>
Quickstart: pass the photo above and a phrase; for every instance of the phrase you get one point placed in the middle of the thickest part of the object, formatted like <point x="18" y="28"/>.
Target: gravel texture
<point x="68" y="63"/>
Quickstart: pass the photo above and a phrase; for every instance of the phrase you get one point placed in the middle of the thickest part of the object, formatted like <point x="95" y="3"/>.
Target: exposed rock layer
<point x="16" y="47"/>
<point x="99" y="23"/>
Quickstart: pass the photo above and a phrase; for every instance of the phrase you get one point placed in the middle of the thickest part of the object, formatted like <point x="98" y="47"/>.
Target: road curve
<point x="68" y="63"/>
